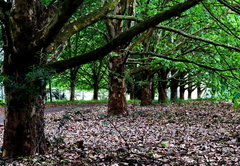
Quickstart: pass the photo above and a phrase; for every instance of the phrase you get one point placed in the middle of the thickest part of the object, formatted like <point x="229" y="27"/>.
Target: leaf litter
<point x="188" y="133"/>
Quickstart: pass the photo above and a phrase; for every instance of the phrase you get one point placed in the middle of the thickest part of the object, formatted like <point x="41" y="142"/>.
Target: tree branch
<point x="192" y="36"/>
<point x="235" y="8"/>
<point x="82" y="22"/>
<point x="50" y="31"/>
<point x="175" y="60"/>
<point x="124" y="37"/>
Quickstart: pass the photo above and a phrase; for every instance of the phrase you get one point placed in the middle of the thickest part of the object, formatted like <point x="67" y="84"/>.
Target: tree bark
<point x="117" y="82"/>
<point x="162" y="85"/>
<point x="95" y="91"/>
<point x="182" y="90"/>
<point x="173" y="87"/>
<point x="117" y="89"/>
<point x="25" y="83"/>
<point x="72" y="91"/>
<point x="146" y="94"/>
<point x="190" y="90"/>
<point x="182" y="85"/>
<point x="199" y="90"/>
<point x="24" y="124"/>
<point x="73" y="77"/>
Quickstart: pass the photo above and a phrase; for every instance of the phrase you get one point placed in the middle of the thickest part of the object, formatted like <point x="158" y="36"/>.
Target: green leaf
<point x="34" y="160"/>
<point x="165" y="144"/>
<point x="150" y="154"/>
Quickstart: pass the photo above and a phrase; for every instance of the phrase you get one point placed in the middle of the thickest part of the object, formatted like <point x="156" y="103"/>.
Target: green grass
<point x="76" y="101"/>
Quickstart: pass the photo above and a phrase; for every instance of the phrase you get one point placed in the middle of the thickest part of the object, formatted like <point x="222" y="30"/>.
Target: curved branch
<point x="82" y="22"/>
<point x="124" y="37"/>
<point x="198" y="38"/>
<point x="50" y="31"/>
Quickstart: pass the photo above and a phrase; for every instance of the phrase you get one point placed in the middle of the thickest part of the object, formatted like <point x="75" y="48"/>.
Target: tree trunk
<point x="182" y="85"/>
<point x="73" y="78"/>
<point x="50" y="89"/>
<point x="132" y="91"/>
<point x="182" y="90"/>
<point x="199" y="90"/>
<point x="173" y="86"/>
<point x="117" y="86"/>
<point x="146" y="94"/>
<point x="25" y="81"/>
<point x="117" y="81"/>
<point x="190" y="90"/>
<point x="24" y="114"/>
<point x="162" y="86"/>
<point x="95" y="91"/>
<point x="72" y="91"/>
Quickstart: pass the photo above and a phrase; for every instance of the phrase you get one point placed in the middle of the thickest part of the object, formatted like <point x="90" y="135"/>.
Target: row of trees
<point x="151" y="63"/>
<point x="168" y="41"/>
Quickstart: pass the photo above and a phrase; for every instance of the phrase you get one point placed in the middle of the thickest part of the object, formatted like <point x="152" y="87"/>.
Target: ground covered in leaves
<point x="189" y="133"/>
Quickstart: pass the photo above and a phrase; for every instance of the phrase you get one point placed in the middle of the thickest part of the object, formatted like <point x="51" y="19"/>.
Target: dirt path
<point x="57" y="107"/>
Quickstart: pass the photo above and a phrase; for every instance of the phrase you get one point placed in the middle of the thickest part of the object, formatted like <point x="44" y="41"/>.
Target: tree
<point x="31" y="32"/>
<point x="29" y="29"/>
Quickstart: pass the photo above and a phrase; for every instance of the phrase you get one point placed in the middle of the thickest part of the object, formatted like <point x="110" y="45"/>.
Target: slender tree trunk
<point x="190" y="90"/>
<point x="72" y="91"/>
<point x="73" y="78"/>
<point x="117" y="86"/>
<point x="50" y="89"/>
<point x="95" y="91"/>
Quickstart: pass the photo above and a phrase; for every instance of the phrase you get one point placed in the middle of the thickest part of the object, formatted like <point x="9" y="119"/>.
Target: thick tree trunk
<point x="24" y="115"/>
<point x="173" y="88"/>
<point x="162" y="86"/>
<point x="146" y="94"/>
<point x="25" y="81"/>
<point x="162" y="92"/>
<point x="182" y="90"/>
<point x="117" y="85"/>
<point x="182" y="85"/>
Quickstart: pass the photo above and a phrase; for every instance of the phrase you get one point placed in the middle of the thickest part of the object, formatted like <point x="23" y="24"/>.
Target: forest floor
<point x="187" y="133"/>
